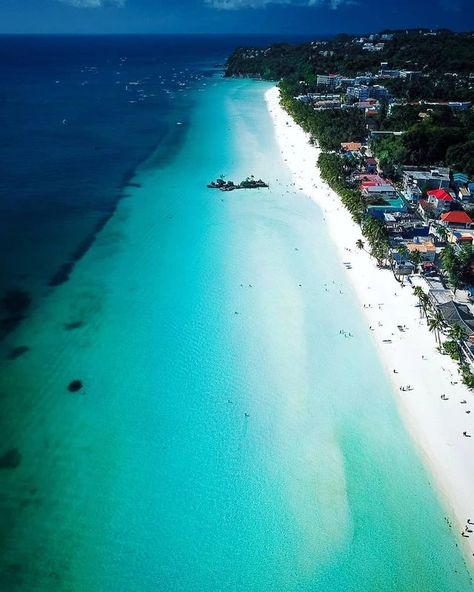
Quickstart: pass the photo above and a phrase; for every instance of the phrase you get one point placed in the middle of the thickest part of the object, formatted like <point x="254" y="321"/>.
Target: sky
<point x="231" y="16"/>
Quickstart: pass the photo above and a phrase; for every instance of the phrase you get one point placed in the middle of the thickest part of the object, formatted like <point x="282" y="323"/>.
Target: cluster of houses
<point x="338" y="92"/>
<point x="422" y="214"/>
<point x="347" y="93"/>
<point x="366" y="92"/>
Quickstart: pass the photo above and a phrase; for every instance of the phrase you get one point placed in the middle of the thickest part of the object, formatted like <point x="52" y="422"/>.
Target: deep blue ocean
<point x="77" y="115"/>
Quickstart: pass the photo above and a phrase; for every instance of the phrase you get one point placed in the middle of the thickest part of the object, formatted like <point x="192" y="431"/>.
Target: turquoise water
<point x="228" y="437"/>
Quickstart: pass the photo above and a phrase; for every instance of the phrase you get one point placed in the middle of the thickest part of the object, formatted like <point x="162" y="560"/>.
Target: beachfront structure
<point x="373" y="185"/>
<point x="392" y="204"/>
<point x="384" y="191"/>
<point x="329" y="80"/>
<point x="457" y="314"/>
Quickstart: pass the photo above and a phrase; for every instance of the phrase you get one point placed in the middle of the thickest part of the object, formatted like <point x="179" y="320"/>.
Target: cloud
<point x="93" y="3"/>
<point x="238" y="4"/>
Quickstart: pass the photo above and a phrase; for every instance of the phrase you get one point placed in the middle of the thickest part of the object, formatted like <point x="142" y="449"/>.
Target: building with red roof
<point x="456" y="218"/>
<point x="440" y="194"/>
<point x="440" y="199"/>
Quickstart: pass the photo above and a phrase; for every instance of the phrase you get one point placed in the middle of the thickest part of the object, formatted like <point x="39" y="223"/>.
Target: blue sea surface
<point x="77" y="116"/>
<point x="227" y="437"/>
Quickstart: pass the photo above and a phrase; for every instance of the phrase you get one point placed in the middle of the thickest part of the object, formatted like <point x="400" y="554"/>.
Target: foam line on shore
<point x="409" y="356"/>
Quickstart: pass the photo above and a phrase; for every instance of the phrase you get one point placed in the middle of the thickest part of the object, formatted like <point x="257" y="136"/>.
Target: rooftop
<point x="422" y="247"/>
<point x="351" y="146"/>
<point x="458" y="314"/>
<point x="441" y="194"/>
<point x="456" y="217"/>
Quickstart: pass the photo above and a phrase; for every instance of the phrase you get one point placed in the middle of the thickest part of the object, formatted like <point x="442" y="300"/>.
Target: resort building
<point x="315" y="97"/>
<point x="410" y="74"/>
<point x="386" y="73"/>
<point x="391" y="204"/>
<point x="330" y="80"/>
<point x="458" y="314"/>
<point x="325" y="105"/>
<point x="417" y="180"/>
<point x="364" y="92"/>
<point x="384" y="191"/>
<point x="405" y="225"/>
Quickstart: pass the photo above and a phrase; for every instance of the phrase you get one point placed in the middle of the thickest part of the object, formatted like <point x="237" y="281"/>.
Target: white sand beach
<point x="410" y="356"/>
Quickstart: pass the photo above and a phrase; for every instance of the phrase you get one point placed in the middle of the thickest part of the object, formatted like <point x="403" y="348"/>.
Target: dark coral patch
<point x="16" y="352"/>
<point x="73" y="325"/>
<point x="74" y="386"/>
<point x="11" y="459"/>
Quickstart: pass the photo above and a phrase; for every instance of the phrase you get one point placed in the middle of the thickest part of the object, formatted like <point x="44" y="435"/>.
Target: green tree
<point x="436" y="324"/>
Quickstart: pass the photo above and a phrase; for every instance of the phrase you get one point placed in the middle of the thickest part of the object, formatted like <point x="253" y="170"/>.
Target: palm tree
<point x="360" y="244"/>
<point x="415" y="258"/>
<point x="422" y="299"/>
<point x="436" y="324"/>
<point x="457" y="332"/>
<point x="404" y="254"/>
<point x="442" y="232"/>
<point x="451" y="266"/>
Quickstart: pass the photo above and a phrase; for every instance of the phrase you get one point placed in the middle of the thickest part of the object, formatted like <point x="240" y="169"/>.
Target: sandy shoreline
<point x="436" y="425"/>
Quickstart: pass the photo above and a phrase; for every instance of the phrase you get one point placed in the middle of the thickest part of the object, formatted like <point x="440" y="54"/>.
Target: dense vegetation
<point x="445" y="52"/>
<point x="329" y="128"/>
<point x="441" y="137"/>
<point x="434" y="135"/>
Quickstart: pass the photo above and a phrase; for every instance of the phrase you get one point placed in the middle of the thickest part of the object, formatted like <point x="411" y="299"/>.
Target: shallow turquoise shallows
<point x="228" y="436"/>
